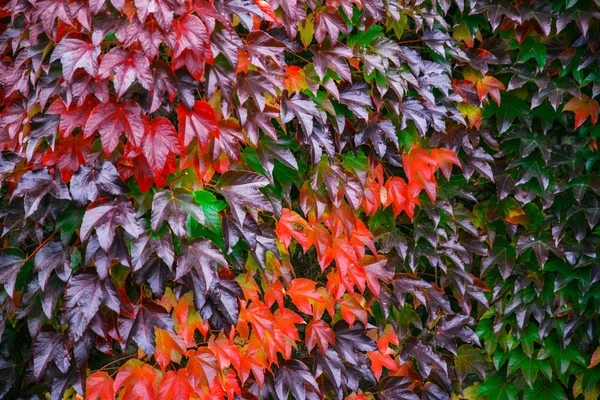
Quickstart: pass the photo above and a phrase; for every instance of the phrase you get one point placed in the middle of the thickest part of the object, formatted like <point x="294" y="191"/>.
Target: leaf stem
<point x="41" y="245"/>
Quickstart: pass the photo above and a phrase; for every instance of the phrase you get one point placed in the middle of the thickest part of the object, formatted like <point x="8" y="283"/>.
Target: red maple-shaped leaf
<point x="203" y="368"/>
<point x="126" y="67"/>
<point x="351" y="307"/>
<point x="175" y="386"/>
<point x="72" y="117"/>
<point x="380" y="359"/>
<point x="444" y="159"/>
<point x="302" y="292"/>
<point x="160" y="141"/>
<point x="189" y="42"/>
<point x="294" y="80"/>
<point x="99" y="385"/>
<point x="490" y="85"/>
<point x="74" y="54"/>
<point x="397" y="194"/>
<point x="169" y="347"/>
<point x="137" y="381"/>
<point x="318" y="332"/>
<point x="198" y="123"/>
<point x="113" y="119"/>
<point x="68" y="155"/>
<point x="583" y="108"/>
<point x="291" y="225"/>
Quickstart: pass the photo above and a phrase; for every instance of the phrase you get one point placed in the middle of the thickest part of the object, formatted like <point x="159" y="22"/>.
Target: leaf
<point x="356" y="97"/>
<point x="11" y="262"/>
<point x="126" y="67"/>
<point x="175" y="206"/>
<point x="202" y="255"/>
<point x="332" y="56"/>
<point x="105" y="215"/>
<point x="545" y="391"/>
<point x="469" y="359"/>
<point x="318" y="332"/>
<point x="294" y="377"/>
<point x="241" y="189"/>
<point x="301" y="107"/>
<point x="137" y="380"/>
<point x="91" y="182"/>
<point x="146" y="317"/>
<point x="84" y="295"/>
<point x="328" y="21"/>
<point x="74" y="54"/>
<point x="35" y="185"/>
<point x="583" y="107"/>
<point x="160" y="141"/>
<point x="50" y="347"/>
<point x="396" y="387"/>
<point x="169" y="347"/>
<point x="425" y="357"/>
<point x="498" y="388"/>
<point x="113" y="119"/>
<point x="260" y="46"/>
<point x="198" y="123"/>
<point x="490" y="85"/>
<point x="175" y="385"/>
<point x="269" y="151"/>
<point x="532" y="49"/>
<point x="303" y="294"/>
<point x="350" y="339"/>
<point x="52" y="257"/>
<point x="99" y="385"/>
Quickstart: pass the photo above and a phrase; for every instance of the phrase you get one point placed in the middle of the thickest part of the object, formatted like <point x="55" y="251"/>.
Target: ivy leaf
<point x="532" y="49"/>
<point x="84" y="295"/>
<point x="241" y="189"/>
<point x="294" y="377"/>
<point x="146" y="317"/>
<point x="318" y="332"/>
<point x="35" y="185"/>
<point x="356" y="97"/>
<point x="52" y="257"/>
<point x="50" y="347"/>
<point x="105" y="215"/>
<point x="175" y="206"/>
<point x="198" y="123"/>
<point x="261" y="45"/>
<point x="137" y="380"/>
<point x="583" y="108"/>
<point x="301" y="107"/>
<point x="396" y="387"/>
<point x="175" y="385"/>
<point x="269" y="151"/>
<point x="469" y="359"/>
<point x="498" y="388"/>
<point x="350" y="339"/>
<point x="452" y="326"/>
<point x="160" y="141"/>
<point x="426" y="358"/>
<point x="74" y="54"/>
<point x="99" y="385"/>
<point x="202" y="255"/>
<point x="544" y="390"/>
<point x="113" y="119"/>
<point x="329" y="21"/>
<point x="11" y="262"/>
<point x="126" y="67"/>
<point x="377" y="130"/>
<point x="332" y="56"/>
<point x="93" y="181"/>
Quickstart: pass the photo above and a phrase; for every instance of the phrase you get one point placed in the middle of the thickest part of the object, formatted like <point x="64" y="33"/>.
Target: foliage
<point x="323" y="199"/>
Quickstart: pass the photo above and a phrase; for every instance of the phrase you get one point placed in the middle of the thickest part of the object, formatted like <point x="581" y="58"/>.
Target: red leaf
<point x="99" y="385"/>
<point x="175" y="386"/>
<point x="198" y="123"/>
<point x="137" y="379"/>
<point x="291" y="225"/>
<point x="169" y="347"/>
<point x="445" y="158"/>
<point x="583" y="108"/>
<point x="68" y="155"/>
<point x="74" y="54"/>
<point x="203" y="368"/>
<point x="113" y="119"/>
<point x="126" y="67"/>
<point x="160" y="141"/>
<point x="302" y="292"/>
<point x="72" y="117"/>
<point x="351" y="307"/>
<point x="381" y="359"/>
<point x="318" y="332"/>
<point x="490" y="85"/>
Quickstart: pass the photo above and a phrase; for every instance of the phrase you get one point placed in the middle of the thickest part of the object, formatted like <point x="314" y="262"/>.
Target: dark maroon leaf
<point x="105" y="215"/>
<point x="455" y="326"/>
<point x="350" y="339"/>
<point x="357" y="97"/>
<point x="202" y="255"/>
<point x="425" y="356"/>
<point x="396" y="387"/>
<point x="10" y="265"/>
<point x="241" y="189"/>
<point x="175" y="206"/>
<point x="261" y="45"/>
<point x="294" y="377"/>
<point x="147" y="316"/>
<point x="329" y="21"/>
<point x="377" y="130"/>
<point x="268" y="151"/>
<point x="50" y="347"/>
<point x="84" y="296"/>
<point x="52" y="257"/>
<point x="334" y="58"/>
<point x="301" y="107"/>
<point x="34" y="185"/>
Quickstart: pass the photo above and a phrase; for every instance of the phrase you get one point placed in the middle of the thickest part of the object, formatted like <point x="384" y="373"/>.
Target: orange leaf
<point x="226" y="351"/>
<point x="583" y="108"/>
<point x="99" y="385"/>
<point x="490" y="85"/>
<point x="292" y="225"/>
<point x="472" y="113"/>
<point x="175" y="386"/>
<point x="138" y="380"/>
<point x="302" y="292"/>
<point x="318" y="332"/>
<point x="388" y="336"/>
<point x="397" y="194"/>
<point x="445" y="158"/>
<point x="253" y="358"/>
<point x="595" y="358"/>
<point x="188" y="327"/>
<point x="203" y="368"/>
<point x="169" y="347"/>
<point x="285" y="322"/>
<point x="381" y="359"/>
<point x="294" y="80"/>
<point x="259" y="316"/>
<point x="351" y="307"/>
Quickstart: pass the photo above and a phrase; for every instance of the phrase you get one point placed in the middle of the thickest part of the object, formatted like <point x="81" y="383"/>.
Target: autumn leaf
<point x="99" y="385"/>
<point x="318" y="332"/>
<point x="583" y="108"/>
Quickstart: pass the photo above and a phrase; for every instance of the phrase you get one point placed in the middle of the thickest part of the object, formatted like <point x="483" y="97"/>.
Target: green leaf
<point x="543" y="390"/>
<point x="498" y="388"/>
<point x="532" y="49"/>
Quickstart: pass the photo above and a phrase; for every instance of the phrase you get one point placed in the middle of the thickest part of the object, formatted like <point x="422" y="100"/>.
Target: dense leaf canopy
<point x="265" y="199"/>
